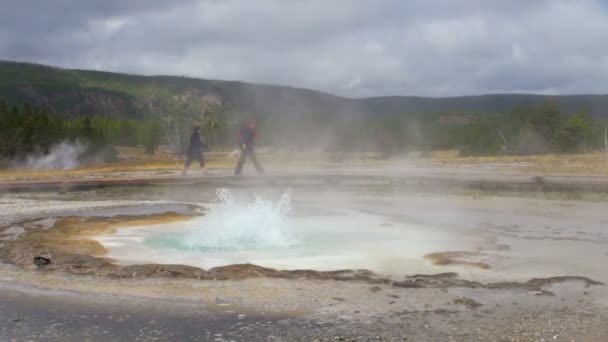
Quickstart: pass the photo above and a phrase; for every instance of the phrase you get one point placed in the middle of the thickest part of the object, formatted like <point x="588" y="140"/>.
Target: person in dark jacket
<point x="195" y="149"/>
<point x="246" y="144"/>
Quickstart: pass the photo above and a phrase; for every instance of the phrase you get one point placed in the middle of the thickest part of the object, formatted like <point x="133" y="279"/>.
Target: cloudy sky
<point x="353" y="48"/>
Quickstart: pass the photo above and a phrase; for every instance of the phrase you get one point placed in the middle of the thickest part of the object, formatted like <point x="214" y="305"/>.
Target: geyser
<point x="269" y="233"/>
<point x="231" y="225"/>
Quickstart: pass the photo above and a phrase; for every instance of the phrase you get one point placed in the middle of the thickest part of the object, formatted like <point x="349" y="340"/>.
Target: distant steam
<point x="62" y="156"/>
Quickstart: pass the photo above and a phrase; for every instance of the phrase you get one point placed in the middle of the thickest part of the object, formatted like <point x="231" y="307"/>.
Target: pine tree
<point x="546" y="121"/>
<point x="26" y="110"/>
<point x="3" y="109"/>
<point x="149" y="135"/>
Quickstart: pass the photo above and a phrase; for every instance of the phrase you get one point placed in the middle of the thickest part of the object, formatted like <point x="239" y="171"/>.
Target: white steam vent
<point x="63" y="156"/>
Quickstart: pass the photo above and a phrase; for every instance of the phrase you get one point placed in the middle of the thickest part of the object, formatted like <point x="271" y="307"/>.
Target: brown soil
<point x="456" y="258"/>
<point x="68" y="234"/>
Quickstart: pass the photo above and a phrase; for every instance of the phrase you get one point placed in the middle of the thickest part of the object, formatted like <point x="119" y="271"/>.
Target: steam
<point x="62" y="156"/>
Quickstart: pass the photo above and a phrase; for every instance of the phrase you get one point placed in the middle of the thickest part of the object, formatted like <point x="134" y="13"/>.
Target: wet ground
<point x="517" y="236"/>
<point x="45" y="316"/>
<point x="262" y="310"/>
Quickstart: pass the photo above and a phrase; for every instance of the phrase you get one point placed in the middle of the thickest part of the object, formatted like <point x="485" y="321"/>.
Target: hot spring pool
<point x="270" y="233"/>
<point x="388" y="233"/>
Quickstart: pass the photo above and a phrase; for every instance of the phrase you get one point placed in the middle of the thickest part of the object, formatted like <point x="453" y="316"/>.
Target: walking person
<point x="195" y="149"/>
<point x="246" y="144"/>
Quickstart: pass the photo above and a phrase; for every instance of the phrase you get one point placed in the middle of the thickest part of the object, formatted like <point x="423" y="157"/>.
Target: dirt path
<point x="480" y="179"/>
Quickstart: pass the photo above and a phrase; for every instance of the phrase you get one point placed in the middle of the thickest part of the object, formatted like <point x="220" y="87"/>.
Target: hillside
<point x="596" y="104"/>
<point x="79" y="92"/>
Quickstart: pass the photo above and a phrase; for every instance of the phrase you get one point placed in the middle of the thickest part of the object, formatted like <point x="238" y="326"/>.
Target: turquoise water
<point x="268" y="232"/>
<point x="231" y="225"/>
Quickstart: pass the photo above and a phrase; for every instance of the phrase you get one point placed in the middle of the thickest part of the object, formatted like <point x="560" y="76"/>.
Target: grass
<point x="583" y="163"/>
<point x="134" y="160"/>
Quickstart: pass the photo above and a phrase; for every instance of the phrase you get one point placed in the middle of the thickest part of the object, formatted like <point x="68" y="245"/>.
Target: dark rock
<point x="502" y="247"/>
<point x="444" y="312"/>
<point x="544" y="293"/>
<point x="541" y="282"/>
<point x="539" y="180"/>
<point x="41" y="262"/>
<point x="471" y="303"/>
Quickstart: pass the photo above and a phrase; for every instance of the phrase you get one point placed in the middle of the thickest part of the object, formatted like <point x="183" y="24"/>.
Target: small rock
<point x="471" y="303"/>
<point x="375" y="289"/>
<point x="543" y="293"/>
<point x="502" y="247"/>
<point x="41" y="262"/>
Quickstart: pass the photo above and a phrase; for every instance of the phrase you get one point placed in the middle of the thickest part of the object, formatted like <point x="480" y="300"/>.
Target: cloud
<point x="348" y="47"/>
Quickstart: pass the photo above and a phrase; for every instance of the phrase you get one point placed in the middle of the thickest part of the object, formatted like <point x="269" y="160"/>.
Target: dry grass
<point x="131" y="159"/>
<point x="134" y="161"/>
<point x="583" y="163"/>
<point x="90" y="171"/>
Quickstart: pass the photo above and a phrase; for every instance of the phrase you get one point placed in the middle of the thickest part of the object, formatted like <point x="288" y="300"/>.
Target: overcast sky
<point x="353" y="48"/>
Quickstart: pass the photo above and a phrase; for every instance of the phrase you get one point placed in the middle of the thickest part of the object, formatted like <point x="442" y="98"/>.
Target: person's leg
<point x="201" y="161"/>
<point x="239" y="165"/>
<point x="187" y="164"/>
<point x="254" y="159"/>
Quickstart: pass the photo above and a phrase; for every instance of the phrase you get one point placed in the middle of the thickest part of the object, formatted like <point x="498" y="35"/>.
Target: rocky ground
<point x="60" y="307"/>
<point x="84" y="298"/>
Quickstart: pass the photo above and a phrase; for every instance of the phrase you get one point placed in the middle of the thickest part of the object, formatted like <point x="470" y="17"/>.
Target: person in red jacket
<point x="247" y="137"/>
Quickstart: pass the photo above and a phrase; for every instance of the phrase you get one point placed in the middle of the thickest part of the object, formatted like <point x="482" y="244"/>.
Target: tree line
<point x="534" y="130"/>
<point x="525" y="130"/>
<point x="28" y="130"/>
<point x="545" y="128"/>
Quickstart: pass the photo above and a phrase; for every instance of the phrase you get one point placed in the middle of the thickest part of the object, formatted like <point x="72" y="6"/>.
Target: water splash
<point x="233" y="225"/>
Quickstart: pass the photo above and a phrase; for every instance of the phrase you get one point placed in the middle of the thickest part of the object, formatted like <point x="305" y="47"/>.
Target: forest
<point x="539" y="129"/>
<point x="29" y="129"/>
